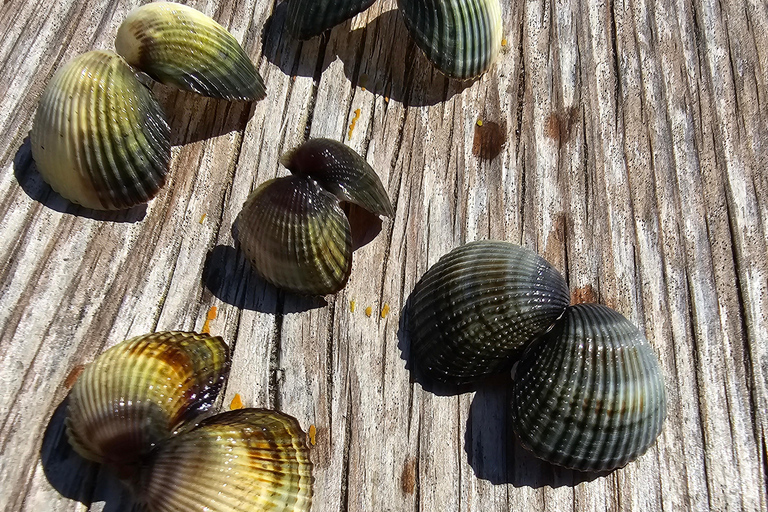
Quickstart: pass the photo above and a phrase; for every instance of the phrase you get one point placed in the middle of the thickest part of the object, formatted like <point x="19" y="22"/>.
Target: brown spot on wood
<point x="74" y="373"/>
<point x="585" y="294"/>
<point x="312" y="435"/>
<point x="408" y="478"/>
<point x="208" y="318"/>
<point x="560" y="125"/>
<point x="489" y="140"/>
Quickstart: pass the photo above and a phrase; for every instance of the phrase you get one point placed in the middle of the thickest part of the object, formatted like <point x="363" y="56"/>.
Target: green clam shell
<point x="460" y="37"/>
<point x="138" y="392"/>
<point x="589" y="396"/>
<point x="180" y="46"/>
<point x="309" y="18"/>
<point x="99" y="138"/>
<point x="475" y="311"/>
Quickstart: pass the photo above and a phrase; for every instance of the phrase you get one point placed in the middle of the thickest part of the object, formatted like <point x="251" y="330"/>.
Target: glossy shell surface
<point x="246" y="460"/>
<point x="310" y="18"/>
<point x="474" y="312"/>
<point x="99" y="138"/>
<point x="138" y="392"/>
<point x="180" y="46"/>
<point x="296" y="236"/>
<point x="462" y="38"/>
<point x="590" y="396"/>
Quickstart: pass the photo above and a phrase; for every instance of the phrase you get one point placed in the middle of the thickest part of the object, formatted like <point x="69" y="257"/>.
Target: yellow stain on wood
<point x="202" y="219"/>
<point x="479" y="122"/>
<point x="503" y="42"/>
<point x="368" y="311"/>
<point x="352" y="305"/>
<point x="237" y="403"/>
<point x="211" y="316"/>
<point x="312" y="435"/>
<point x="354" y="122"/>
<point x="385" y="310"/>
<point x="386" y="99"/>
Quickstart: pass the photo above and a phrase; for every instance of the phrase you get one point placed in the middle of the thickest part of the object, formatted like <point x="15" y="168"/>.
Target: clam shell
<point x="590" y="396"/>
<point x="309" y="18"/>
<point x="340" y="171"/>
<point x="99" y="138"/>
<point x="180" y="46"/>
<point x="238" y="461"/>
<point x="138" y="392"/>
<point x="460" y="37"/>
<point x="296" y="236"/>
<point x="474" y="312"/>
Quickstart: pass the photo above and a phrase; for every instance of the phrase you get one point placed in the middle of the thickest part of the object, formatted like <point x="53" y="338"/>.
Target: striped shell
<point x="138" y="392"/>
<point x="246" y="460"/>
<point x="460" y="37"/>
<point x="474" y="312"/>
<point x="590" y="396"/>
<point x="180" y="46"/>
<point x="310" y="18"/>
<point x="100" y="139"/>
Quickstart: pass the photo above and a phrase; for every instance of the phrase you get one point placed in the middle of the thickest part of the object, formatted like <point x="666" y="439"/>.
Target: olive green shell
<point x="99" y="138"/>
<point x="475" y="311"/>
<point x="180" y="46"/>
<point x="246" y="460"/>
<point x="309" y="18"/>
<point x="138" y="392"/>
<point x="460" y="37"/>
<point x="589" y="396"/>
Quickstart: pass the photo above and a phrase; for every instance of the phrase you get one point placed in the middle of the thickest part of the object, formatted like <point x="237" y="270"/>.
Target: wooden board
<point x="635" y="149"/>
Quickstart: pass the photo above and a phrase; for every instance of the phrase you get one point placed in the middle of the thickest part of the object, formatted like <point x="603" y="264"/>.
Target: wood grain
<point x="631" y="152"/>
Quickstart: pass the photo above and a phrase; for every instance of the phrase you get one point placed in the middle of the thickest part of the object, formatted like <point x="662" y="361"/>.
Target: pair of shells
<point x="137" y="409"/>
<point x="100" y="138"/>
<point x="588" y="390"/>
<point x="293" y="229"/>
<point x="461" y="38"/>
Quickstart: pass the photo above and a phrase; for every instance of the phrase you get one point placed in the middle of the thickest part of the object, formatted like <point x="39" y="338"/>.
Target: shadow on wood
<point x="32" y="183"/>
<point x="406" y="75"/>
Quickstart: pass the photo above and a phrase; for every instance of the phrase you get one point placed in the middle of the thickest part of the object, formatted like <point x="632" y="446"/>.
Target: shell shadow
<point x="76" y="478"/>
<point x="401" y="72"/>
<point x="496" y="455"/>
<point x="32" y="183"/>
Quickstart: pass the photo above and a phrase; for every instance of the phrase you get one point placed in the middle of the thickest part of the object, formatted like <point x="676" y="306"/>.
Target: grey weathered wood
<point x="635" y="157"/>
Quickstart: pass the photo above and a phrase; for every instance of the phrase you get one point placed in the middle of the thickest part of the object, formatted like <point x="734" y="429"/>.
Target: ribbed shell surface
<point x="590" y="396"/>
<point x="248" y="460"/>
<point x="474" y="312"/>
<point x="180" y="46"/>
<point x="309" y="18"/>
<point x="341" y="171"/>
<point x="99" y="138"/>
<point x="460" y="37"/>
<point x="136" y="393"/>
<point x="296" y="236"/>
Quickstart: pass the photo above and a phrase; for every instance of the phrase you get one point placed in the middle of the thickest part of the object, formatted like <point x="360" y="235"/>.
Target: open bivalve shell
<point x="309" y="18"/>
<point x="100" y="139"/>
<point x="590" y="395"/>
<point x="461" y="38"/>
<point x="180" y="46"/>
<point x="140" y="391"/>
<point x="475" y="311"/>
<point x="248" y="460"/>
<point x="293" y="229"/>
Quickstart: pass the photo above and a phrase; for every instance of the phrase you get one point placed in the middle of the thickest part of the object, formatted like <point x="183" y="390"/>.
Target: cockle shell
<point x="460" y="37"/>
<point x="138" y="392"/>
<point x="293" y="229"/>
<point x="474" y="312"/>
<point x="246" y="460"/>
<point x="590" y="395"/>
<point x="99" y="138"/>
<point x="309" y="18"/>
<point x="180" y="46"/>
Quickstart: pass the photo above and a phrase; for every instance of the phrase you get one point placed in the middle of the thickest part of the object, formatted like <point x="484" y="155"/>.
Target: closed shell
<point x="309" y="18"/>
<point x="180" y="46"/>
<point x="138" y="392"/>
<point x="462" y="38"/>
<point x="474" y="312"/>
<point x="590" y="396"/>
<point x="246" y="460"/>
<point x="99" y="138"/>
